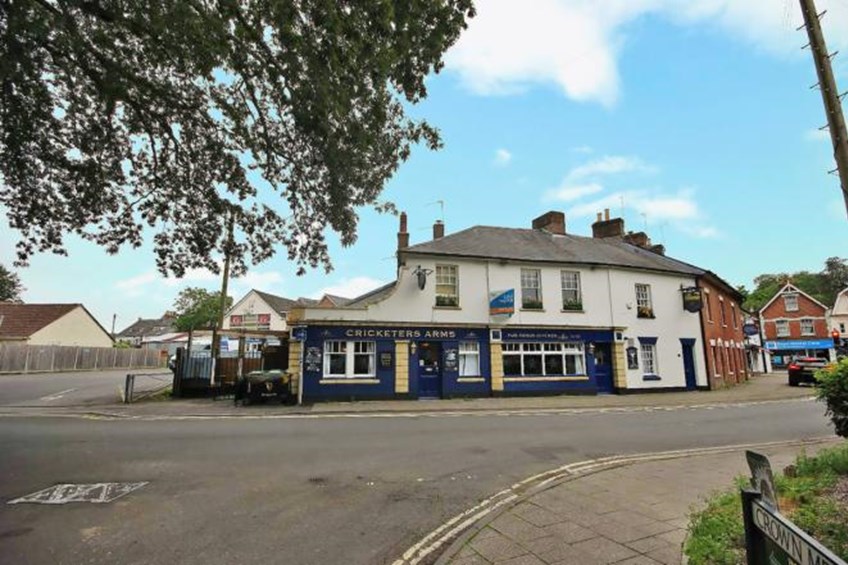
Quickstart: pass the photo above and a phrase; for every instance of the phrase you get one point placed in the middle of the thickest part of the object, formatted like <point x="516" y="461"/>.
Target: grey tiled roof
<point x="149" y="327"/>
<point x="372" y="296"/>
<point x="278" y="303"/>
<point x="543" y="247"/>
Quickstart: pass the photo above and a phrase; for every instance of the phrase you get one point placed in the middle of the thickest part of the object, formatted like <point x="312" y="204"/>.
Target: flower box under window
<point x="450" y="301"/>
<point x="574" y="306"/>
<point x="645" y="312"/>
<point x="532" y="304"/>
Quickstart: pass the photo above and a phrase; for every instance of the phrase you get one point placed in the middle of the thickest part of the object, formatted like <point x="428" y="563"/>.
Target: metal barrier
<point x="162" y="381"/>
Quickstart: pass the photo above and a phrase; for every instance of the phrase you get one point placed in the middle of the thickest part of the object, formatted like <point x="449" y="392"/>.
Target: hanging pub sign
<point x="692" y="299"/>
<point x="502" y="302"/>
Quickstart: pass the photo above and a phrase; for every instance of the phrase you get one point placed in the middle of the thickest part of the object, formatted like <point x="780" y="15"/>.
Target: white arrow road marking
<point x="57" y="395"/>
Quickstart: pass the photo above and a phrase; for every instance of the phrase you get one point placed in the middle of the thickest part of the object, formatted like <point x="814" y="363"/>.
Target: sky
<point x="693" y="120"/>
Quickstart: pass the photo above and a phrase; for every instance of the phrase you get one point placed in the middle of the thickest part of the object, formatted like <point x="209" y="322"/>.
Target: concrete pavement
<point x="760" y="389"/>
<point x="633" y="514"/>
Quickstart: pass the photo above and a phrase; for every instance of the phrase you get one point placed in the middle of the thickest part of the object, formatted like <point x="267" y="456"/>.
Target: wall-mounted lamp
<point x="413" y="348"/>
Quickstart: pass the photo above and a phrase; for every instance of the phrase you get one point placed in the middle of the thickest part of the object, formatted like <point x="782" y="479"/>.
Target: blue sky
<point x="697" y="115"/>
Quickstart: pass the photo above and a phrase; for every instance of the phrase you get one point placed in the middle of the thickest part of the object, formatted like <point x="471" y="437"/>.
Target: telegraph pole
<point x="219" y="325"/>
<point x="830" y="94"/>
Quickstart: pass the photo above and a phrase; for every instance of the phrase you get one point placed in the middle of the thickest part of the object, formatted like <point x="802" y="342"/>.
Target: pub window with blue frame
<point x="543" y="359"/>
<point x="349" y="359"/>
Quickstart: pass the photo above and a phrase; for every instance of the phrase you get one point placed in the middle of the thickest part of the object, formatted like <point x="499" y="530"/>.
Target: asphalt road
<point x="63" y="390"/>
<point x="314" y="491"/>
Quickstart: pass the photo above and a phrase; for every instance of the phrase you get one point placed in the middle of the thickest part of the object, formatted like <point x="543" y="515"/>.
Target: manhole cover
<point x="96" y="493"/>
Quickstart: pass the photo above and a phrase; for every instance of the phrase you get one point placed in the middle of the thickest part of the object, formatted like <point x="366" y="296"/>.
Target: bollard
<point x="129" y="385"/>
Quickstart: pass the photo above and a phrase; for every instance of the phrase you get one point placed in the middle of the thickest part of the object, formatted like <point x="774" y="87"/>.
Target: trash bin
<point x="262" y="386"/>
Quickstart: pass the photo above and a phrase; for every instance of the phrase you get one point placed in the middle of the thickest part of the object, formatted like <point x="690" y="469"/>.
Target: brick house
<point x="721" y="323"/>
<point x="795" y="324"/>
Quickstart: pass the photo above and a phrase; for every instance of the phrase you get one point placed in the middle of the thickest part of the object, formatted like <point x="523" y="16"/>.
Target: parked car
<point x="803" y="370"/>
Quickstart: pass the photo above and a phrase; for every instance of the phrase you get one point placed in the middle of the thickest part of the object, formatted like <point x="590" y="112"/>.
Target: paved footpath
<point x="764" y="388"/>
<point x="629" y="515"/>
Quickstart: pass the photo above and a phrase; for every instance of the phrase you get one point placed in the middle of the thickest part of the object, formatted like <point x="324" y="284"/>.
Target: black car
<point x="803" y="370"/>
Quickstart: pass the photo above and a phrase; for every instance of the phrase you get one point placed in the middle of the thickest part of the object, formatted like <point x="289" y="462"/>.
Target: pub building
<point x="502" y="311"/>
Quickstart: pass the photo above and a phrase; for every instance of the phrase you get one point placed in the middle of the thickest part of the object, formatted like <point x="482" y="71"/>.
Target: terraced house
<point x="504" y="311"/>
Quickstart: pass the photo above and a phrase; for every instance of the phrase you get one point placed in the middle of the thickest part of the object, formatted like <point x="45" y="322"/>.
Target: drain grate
<point x="97" y="493"/>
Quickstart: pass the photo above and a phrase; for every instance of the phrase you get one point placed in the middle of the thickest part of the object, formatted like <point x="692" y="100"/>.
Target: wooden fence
<point x="17" y="358"/>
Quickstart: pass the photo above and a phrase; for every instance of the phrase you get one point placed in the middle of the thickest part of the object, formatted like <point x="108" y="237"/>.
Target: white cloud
<point x="817" y="134"/>
<point x="585" y="149"/>
<point x="568" y="193"/>
<point x="502" y="157"/>
<point x="575" y="44"/>
<point x="139" y="285"/>
<point x="680" y="209"/>
<point x="609" y="165"/>
<point x="350" y="288"/>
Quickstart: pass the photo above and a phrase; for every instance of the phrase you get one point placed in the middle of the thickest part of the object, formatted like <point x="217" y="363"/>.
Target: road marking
<point x="96" y="493"/>
<point x="57" y="395"/>
<point x="457" y="525"/>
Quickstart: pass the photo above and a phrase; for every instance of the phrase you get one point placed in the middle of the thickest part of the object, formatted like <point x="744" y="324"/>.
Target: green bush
<point x="716" y="533"/>
<point x="833" y="390"/>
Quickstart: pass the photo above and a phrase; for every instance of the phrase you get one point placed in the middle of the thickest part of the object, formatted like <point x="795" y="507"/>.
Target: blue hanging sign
<point x="502" y="302"/>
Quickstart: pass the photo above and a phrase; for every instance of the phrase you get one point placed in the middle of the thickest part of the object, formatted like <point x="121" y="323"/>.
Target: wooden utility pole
<point x="830" y="94"/>
<point x="222" y="309"/>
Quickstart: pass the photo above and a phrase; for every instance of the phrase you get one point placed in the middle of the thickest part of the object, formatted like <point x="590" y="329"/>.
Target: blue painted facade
<point x="382" y="385"/>
<point x="384" y="337"/>
<point x="548" y="335"/>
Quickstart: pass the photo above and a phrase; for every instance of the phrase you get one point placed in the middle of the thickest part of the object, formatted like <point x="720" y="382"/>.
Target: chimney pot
<point x="606" y="214"/>
<point x="438" y="230"/>
<point x="598" y="219"/>
<point x="551" y="222"/>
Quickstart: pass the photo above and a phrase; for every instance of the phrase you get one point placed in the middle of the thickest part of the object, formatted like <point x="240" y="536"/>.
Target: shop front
<point x="384" y="362"/>
<point x="540" y="360"/>
<point x="784" y="351"/>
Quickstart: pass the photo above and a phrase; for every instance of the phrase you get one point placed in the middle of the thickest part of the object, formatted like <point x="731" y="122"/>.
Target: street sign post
<point x="770" y="537"/>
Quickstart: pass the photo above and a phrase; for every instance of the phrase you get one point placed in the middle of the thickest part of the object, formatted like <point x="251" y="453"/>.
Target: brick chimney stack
<point x="639" y="239"/>
<point x="438" y="230"/>
<point x="606" y="227"/>
<point x="551" y="222"/>
<point x="403" y="234"/>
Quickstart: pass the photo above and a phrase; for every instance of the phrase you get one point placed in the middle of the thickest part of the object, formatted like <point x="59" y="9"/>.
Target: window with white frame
<point x="469" y="359"/>
<point x="733" y="315"/>
<point x="782" y="328"/>
<point x="531" y="289"/>
<point x="644" y="305"/>
<point x="790" y="301"/>
<point x="543" y="359"/>
<point x="447" y="285"/>
<point x="709" y="307"/>
<point x="808" y="326"/>
<point x="649" y="358"/>
<point x="572" y="297"/>
<point x="350" y="359"/>
<point x="722" y="311"/>
<point x="716" y="368"/>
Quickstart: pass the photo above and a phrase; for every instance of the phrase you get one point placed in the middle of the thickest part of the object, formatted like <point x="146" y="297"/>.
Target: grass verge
<point x="811" y="494"/>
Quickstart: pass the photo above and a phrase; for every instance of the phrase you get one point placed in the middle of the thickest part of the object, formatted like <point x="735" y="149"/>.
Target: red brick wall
<point x="725" y="365"/>
<point x="807" y="308"/>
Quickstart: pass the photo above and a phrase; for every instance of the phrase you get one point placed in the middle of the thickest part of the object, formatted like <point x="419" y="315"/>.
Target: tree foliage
<point x="823" y="286"/>
<point x="10" y="285"/>
<point x="197" y="308"/>
<point x="284" y="115"/>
